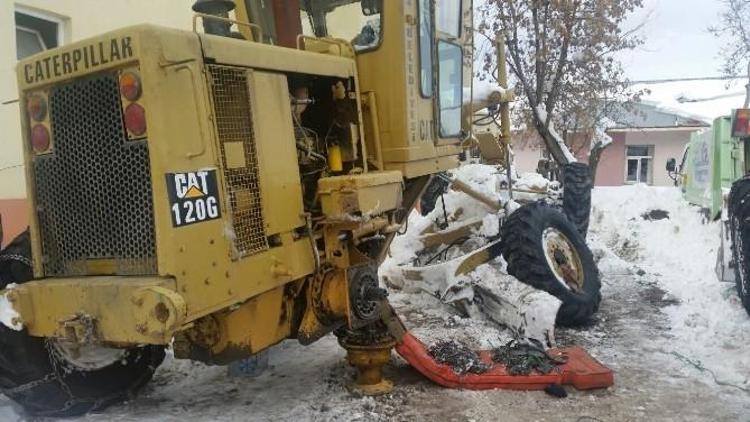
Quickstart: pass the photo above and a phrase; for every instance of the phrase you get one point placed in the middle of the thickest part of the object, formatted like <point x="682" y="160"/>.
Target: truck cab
<point x="713" y="159"/>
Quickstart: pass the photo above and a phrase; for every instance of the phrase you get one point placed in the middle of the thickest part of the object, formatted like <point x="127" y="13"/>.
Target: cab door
<point x="443" y="72"/>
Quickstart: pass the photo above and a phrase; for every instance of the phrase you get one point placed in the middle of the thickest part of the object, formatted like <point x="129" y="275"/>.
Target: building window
<point x="639" y="164"/>
<point x="35" y="33"/>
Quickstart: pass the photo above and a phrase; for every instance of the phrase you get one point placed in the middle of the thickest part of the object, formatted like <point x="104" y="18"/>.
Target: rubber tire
<point x="11" y="270"/>
<point x="523" y="251"/>
<point x="739" y="225"/>
<point x="434" y="190"/>
<point x="68" y="391"/>
<point x="577" y="185"/>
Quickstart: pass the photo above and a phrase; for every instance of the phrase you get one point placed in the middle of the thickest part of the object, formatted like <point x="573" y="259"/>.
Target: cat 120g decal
<point x="193" y="197"/>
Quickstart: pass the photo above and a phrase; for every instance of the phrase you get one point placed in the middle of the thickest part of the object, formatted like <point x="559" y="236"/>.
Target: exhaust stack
<point x="218" y="8"/>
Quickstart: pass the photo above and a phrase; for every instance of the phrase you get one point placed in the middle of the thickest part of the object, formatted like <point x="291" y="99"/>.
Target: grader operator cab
<point x="222" y="191"/>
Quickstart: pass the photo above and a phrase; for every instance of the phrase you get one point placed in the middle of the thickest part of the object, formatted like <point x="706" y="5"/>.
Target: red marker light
<point x="741" y="126"/>
<point x="40" y="138"/>
<point x="36" y="105"/>
<point x="130" y="86"/>
<point x="135" y="119"/>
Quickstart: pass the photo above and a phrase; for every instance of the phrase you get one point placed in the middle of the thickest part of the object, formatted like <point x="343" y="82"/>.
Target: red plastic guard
<point x="581" y="371"/>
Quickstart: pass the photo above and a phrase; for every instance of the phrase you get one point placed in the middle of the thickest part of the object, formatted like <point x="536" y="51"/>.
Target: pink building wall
<point x="15" y="217"/>
<point x="667" y="143"/>
<point x="611" y="169"/>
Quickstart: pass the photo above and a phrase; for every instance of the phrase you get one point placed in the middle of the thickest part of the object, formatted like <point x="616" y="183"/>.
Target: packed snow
<point x="676" y="337"/>
<point x="708" y="325"/>
<point x="8" y="315"/>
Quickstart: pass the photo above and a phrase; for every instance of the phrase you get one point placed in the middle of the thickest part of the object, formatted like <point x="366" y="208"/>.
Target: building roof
<point x="649" y="115"/>
<point x="687" y="101"/>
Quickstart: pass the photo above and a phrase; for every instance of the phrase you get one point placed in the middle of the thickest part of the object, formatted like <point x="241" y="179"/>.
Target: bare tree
<point x="561" y="54"/>
<point x="734" y="27"/>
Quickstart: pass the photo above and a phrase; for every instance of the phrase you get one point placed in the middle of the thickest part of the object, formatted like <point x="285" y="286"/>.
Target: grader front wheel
<point x="546" y="251"/>
<point x="577" y="185"/>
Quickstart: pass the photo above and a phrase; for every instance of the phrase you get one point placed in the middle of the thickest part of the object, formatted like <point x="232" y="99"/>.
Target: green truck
<point x="713" y="174"/>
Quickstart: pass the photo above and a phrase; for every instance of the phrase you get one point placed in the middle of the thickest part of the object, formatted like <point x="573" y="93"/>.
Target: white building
<point x="29" y="26"/>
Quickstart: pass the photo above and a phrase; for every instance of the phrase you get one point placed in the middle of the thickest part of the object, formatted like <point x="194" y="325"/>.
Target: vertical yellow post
<point x="502" y="79"/>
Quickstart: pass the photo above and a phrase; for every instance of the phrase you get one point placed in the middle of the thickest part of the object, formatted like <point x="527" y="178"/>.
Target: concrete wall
<point x="611" y="168"/>
<point x="80" y="19"/>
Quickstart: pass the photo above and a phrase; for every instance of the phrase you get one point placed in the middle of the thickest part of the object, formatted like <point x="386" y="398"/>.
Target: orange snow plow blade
<point x="581" y="370"/>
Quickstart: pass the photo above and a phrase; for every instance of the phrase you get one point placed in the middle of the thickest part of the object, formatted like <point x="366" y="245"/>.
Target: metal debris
<point x="458" y="356"/>
<point x="523" y="358"/>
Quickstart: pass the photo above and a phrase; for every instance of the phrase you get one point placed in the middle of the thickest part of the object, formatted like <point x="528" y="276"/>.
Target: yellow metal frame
<point x="217" y="303"/>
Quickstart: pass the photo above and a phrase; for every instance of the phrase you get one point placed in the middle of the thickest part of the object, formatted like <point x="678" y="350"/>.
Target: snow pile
<point x="532" y="181"/>
<point x="459" y="208"/>
<point x="8" y="316"/>
<point x="708" y="325"/>
<point x="484" y="295"/>
<point x="419" y="304"/>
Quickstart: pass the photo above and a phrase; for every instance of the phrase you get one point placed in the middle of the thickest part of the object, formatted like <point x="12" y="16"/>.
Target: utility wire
<point x="11" y="167"/>
<point x="706" y="78"/>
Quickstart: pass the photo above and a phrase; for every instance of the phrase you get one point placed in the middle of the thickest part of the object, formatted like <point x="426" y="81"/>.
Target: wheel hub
<point x="86" y="357"/>
<point x="563" y="259"/>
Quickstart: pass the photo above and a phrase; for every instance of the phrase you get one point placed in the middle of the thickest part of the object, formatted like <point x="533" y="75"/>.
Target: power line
<point x="706" y="78"/>
<point x="11" y="167"/>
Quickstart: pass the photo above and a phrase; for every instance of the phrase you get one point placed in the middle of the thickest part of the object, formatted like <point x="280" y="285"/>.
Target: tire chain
<point x="59" y="369"/>
<point x="14" y="258"/>
<point x="55" y="375"/>
<point x="52" y="376"/>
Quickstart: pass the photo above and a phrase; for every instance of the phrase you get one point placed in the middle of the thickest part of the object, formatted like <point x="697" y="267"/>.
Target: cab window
<point x="450" y="88"/>
<point x="425" y="47"/>
<point x="357" y="22"/>
<point x="448" y="16"/>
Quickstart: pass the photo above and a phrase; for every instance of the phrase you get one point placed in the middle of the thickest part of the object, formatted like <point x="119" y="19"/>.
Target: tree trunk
<point x="594" y="156"/>
<point x="549" y="141"/>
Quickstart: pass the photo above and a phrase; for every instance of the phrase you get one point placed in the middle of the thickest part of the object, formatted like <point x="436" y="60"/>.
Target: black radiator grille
<point x="93" y="192"/>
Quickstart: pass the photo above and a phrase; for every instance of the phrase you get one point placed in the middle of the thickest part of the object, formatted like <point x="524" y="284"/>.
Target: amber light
<point x="36" y="105"/>
<point x="130" y="86"/>
<point x="135" y="119"/>
<point x="40" y="138"/>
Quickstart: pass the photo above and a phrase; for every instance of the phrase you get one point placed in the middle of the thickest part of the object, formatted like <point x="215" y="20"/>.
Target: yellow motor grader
<point x="222" y="190"/>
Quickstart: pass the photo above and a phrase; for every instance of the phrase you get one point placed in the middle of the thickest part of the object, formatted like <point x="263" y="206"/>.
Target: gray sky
<point x="677" y="41"/>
